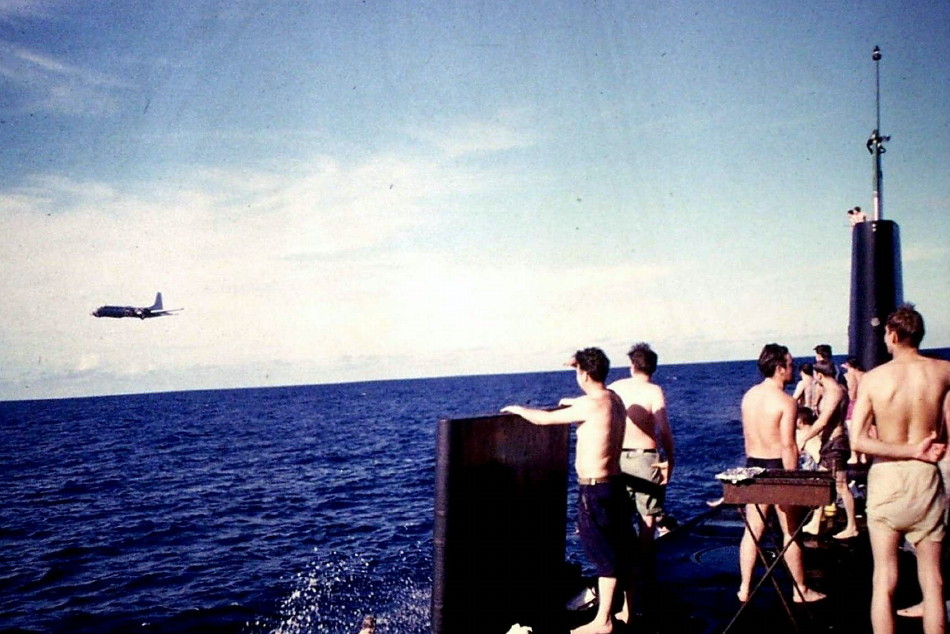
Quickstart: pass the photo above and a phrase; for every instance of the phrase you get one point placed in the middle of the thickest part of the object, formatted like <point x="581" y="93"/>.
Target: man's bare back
<point x="908" y="397"/>
<point x="768" y="423"/>
<point x="644" y="400"/>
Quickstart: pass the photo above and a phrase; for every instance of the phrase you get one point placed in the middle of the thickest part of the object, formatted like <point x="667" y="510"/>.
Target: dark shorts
<point x="604" y="524"/>
<point x="834" y="454"/>
<point x="765" y="463"/>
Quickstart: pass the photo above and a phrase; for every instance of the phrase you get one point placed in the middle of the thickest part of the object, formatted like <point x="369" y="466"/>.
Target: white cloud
<point x="88" y="362"/>
<point x="270" y="267"/>
<point x="329" y="270"/>
<point x="302" y="269"/>
<point x="43" y="82"/>
<point x="304" y="276"/>
<point x="506" y="131"/>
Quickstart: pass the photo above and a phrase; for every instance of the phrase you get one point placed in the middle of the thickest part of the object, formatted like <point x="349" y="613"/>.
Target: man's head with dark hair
<point x="826" y="368"/>
<point x="643" y="358"/>
<point x="807" y="369"/>
<point x="773" y="357"/>
<point x="854" y="363"/>
<point x="594" y="362"/>
<point x="823" y="350"/>
<point x="806" y="416"/>
<point x="907" y="324"/>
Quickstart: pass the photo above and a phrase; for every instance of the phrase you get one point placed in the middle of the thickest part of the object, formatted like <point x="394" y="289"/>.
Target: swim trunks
<point x="642" y="480"/>
<point x="835" y="452"/>
<point x="603" y="521"/>
<point x="907" y="496"/>
<point x="765" y="463"/>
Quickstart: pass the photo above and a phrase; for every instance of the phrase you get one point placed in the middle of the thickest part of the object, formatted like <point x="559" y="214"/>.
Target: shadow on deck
<point x="697" y="579"/>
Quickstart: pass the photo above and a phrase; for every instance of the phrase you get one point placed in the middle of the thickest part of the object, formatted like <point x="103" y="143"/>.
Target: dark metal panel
<point x="499" y="536"/>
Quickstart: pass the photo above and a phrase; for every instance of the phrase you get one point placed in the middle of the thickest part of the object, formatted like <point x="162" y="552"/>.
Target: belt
<point x="589" y="481"/>
<point x="638" y="450"/>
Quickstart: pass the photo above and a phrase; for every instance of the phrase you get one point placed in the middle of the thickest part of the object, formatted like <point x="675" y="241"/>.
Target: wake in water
<point x="334" y="596"/>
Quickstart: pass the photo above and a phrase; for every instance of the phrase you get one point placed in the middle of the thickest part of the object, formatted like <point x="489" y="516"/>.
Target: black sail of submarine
<point x="876" y="276"/>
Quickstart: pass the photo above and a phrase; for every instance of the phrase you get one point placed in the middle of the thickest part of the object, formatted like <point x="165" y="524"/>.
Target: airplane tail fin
<point x="158" y="302"/>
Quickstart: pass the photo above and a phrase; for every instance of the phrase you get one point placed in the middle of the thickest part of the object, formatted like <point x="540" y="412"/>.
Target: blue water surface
<point x="288" y="510"/>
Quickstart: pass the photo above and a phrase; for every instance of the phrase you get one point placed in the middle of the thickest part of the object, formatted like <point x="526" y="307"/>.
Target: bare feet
<point x="623" y="616"/>
<point x="847" y="533"/>
<point x="807" y="596"/>
<point x="813" y="527"/>
<point x="913" y="612"/>
<point x="595" y="628"/>
<point x="742" y="595"/>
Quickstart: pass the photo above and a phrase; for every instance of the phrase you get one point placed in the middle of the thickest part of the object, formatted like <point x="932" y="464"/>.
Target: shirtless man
<point x="603" y="513"/>
<point x="645" y="473"/>
<point x="853" y="372"/>
<point x="835" y="448"/>
<point x="908" y="399"/>
<point x="768" y="425"/>
<point x="856" y="216"/>
<point x="806" y="389"/>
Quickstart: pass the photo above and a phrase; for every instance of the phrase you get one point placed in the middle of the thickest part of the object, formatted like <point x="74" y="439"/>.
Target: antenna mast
<point x="877" y="286"/>
<point x="875" y="144"/>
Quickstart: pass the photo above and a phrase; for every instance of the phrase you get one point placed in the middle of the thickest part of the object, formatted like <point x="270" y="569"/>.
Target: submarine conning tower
<point x="876" y="277"/>
<point x="876" y="288"/>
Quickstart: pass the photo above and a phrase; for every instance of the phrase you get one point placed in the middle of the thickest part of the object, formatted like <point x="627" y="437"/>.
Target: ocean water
<point x="276" y="510"/>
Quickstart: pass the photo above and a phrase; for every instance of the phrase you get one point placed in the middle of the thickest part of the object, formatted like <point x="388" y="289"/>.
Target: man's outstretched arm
<point x="573" y="413"/>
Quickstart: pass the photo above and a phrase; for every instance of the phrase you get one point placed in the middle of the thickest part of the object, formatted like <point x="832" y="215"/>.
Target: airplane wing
<point x="162" y="313"/>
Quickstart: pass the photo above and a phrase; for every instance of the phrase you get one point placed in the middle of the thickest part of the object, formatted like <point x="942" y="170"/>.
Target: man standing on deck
<point x="768" y="426"/>
<point x="603" y="513"/>
<point x="908" y="399"/>
<point x="644" y="472"/>
<point x="835" y="448"/>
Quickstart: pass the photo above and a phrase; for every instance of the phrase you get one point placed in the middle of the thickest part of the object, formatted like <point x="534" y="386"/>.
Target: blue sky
<point x="339" y="191"/>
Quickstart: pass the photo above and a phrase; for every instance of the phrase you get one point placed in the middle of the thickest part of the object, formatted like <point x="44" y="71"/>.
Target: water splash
<point x="333" y="596"/>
